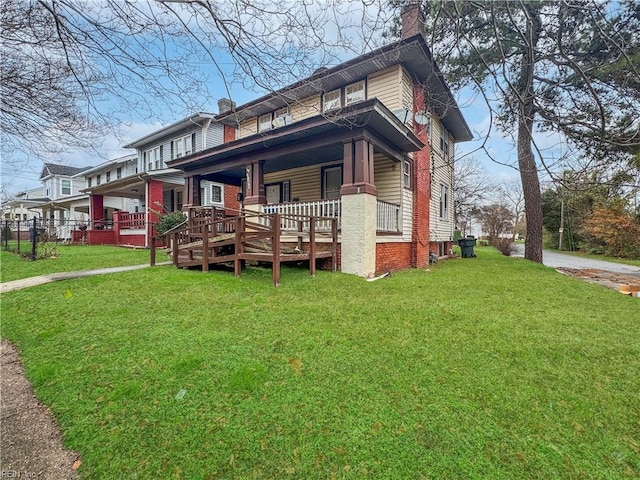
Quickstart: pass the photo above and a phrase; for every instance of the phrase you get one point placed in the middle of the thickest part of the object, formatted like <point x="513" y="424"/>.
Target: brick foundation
<point x="392" y="257"/>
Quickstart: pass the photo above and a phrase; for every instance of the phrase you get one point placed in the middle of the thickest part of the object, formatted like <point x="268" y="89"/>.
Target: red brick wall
<point x="97" y="207"/>
<point x="154" y="202"/>
<point x="133" y="240"/>
<point x="421" y="189"/>
<point x="393" y="256"/>
<point x="229" y="134"/>
<point x="231" y="197"/>
<point x="101" y="237"/>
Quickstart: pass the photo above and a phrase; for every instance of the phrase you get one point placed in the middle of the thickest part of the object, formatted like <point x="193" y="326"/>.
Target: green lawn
<point x="490" y="367"/>
<point x="71" y="258"/>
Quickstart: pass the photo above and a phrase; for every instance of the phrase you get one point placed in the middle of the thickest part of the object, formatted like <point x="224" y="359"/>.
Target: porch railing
<point x="388" y="217"/>
<point x="320" y="208"/>
<point x="387" y="214"/>
<point x="132" y="221"/>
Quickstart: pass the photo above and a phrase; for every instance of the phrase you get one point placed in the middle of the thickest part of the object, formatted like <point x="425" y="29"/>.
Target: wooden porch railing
<point x="387" y="217"/>
<point x="387" y="214"/>
<point x="211" y="238"/>
<point x="323" y="210"/>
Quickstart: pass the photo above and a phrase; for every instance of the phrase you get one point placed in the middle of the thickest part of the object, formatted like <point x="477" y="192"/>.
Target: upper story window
<point x="89" y="182"/>
<point x="108" y="175"/>
<point x="406" y="174"/>
<point x="66" y="187"/>
<point x="264" y="123"/>
<point x="331" y="100"/>
<point x="98" y="180"/>
<point x="153" y="158"/>
<point x="444" y="140"/>
<point x="444" y="202"/>
<point x="119" y="172"/>
<point x="354" y="93"/>
<point x="280" y="117"/>
<point x="183" y="146"/>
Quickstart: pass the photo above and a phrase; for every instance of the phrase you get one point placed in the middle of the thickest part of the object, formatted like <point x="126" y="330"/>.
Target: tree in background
<point x="72" y="70"/>
<point x="616" y="229"/>
<point x="471" y="186"/>
<point x="562" y="66"/>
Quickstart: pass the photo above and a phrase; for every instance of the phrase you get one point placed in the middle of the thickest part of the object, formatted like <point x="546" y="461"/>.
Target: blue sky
<point x="472" y="106"/>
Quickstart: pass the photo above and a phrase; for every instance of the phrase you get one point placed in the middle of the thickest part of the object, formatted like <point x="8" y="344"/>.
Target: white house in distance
<point x="149" y="186"/>
<point x="25" y="205"/>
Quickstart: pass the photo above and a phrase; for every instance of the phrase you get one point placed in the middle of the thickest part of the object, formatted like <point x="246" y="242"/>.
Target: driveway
<point x="609" y="274"/>
<point x="556" y="259"/>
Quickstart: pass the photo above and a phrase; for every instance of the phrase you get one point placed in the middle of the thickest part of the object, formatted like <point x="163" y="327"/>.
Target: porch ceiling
<point x="307" y="142"/>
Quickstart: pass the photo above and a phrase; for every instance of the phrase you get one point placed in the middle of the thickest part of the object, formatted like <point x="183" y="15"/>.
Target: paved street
<point x="555" y="260"/>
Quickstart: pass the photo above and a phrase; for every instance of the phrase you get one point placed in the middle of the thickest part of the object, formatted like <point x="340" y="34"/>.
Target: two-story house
<point x="370" y="141"/>
<point x="151" y="187"/>
<point x="25" y="205"/>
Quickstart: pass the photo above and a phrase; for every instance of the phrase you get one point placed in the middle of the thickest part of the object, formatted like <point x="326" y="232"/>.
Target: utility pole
<point x="561" y="230"/>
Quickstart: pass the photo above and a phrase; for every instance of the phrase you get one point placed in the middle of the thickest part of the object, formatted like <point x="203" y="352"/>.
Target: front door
<point x="273" y="193"/>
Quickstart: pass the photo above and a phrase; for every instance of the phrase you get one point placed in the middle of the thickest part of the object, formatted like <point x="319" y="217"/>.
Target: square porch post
<point x="359" y="205"/>
<point x="256" y="195"/>
<point x="192" y="194"/>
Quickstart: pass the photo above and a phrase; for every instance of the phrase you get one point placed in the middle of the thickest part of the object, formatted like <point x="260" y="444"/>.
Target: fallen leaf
<point x="297" y="365"/>
<point x="68" y="294"/>
<point x="76" y="464"/>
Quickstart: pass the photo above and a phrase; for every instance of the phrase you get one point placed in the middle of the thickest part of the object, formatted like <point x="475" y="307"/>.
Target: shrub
<point x="170" y="221"/>
<point x="504" y="245"/>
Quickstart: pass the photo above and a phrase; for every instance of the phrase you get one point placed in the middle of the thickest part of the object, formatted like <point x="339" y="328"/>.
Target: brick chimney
<point x="225" y="105"/>
<point x="411" y="18"/>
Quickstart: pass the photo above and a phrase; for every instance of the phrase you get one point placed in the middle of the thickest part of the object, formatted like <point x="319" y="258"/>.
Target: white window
<point x="280" y="117"/>
<point x="108" y="177"/>
<point x="406" y="174"/>
<point x="354" y="93"/>
<point x="89" y="182"/>
<point x="331" y="100"/>
<point x="98" y="180"/>
<point x="216" y="194"/>
<point x="264" y="123"/>
<point x="119" y="172"/>
<point x="66" y="187"/>
<point x="444" y="202"/>
<point x="153" y="158"/>
<point x="444" y="141"/>
<point x="183" y="146"/>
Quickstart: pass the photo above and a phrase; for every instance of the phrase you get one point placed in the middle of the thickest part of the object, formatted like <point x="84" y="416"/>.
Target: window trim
<point x="62" y="181"/>
<point x="323" y="171"/>
<point x="444" y="202"/>
<point x="406" y="173"/>
<point x="263" y="125"/>
<point x="337" y="91"/>
<point x="359" y="99"/>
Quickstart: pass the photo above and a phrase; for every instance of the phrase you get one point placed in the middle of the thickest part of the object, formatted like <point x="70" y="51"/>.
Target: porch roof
<point x="313" y="140"/>
<point x="132" y="186"/>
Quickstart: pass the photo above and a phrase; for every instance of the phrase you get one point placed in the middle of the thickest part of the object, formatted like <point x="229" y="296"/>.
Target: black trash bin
<point x="466" y="246"/>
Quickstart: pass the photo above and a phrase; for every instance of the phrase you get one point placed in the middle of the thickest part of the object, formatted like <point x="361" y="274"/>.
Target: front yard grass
<point x="491" y="367"/>
<point x="71" y="258"/>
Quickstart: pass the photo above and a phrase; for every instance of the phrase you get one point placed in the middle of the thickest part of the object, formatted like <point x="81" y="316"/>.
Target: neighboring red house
<point x="370" y="141"/>
<point x="153" y="187"/>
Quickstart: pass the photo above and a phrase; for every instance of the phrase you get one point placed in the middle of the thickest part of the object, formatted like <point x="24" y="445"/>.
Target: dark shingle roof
<point x="57" y="169"/>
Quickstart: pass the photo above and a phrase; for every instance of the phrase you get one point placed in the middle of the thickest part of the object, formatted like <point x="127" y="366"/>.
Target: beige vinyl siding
<point x="305" y="108"/>
<point x="387" y="176"/>
<point x="406" y="213"/>
<point x="406" y="88"/>
<point x="248" y="127"/>
<point x="386" y="87"/>
<point x="441" y="229"/>
<point x="306" y="182"/>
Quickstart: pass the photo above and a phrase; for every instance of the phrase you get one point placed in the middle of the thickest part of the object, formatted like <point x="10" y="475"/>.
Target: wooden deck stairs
<point x="213" y="236"/>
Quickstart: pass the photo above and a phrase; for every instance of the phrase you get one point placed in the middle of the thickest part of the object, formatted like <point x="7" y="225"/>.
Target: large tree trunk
<point x="526" y="160"/>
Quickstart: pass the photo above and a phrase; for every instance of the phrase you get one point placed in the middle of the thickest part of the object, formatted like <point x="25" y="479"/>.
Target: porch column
<point x="154" y="206"/>
<point x="192" y="192"/>
<point x="255" y="185"/>
<point x="359" y="205"/>
<point x="96" y="208"/>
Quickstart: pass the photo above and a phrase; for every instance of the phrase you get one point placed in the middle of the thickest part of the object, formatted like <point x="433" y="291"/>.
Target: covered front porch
<point x="140" y="200"/>
<point x="355" y="167"/>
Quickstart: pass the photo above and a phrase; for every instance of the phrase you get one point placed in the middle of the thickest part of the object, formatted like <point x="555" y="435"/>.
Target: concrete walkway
<point x="54" y="277"/>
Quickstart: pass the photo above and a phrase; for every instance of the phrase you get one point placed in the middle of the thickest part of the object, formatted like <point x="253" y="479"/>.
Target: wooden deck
<point x="212" y="236"/>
